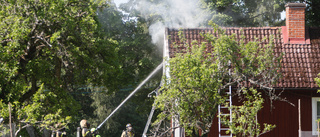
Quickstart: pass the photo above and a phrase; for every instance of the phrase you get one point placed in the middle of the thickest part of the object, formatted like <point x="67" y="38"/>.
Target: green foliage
<point x="317" y="79"/>
<point x="238" y="13"/>
<point x="312" y="10"/>
<point x="137" y="54"/>
<point x="198" y="78"/>
<point x="244" y="118"/>
<point x="193" y="86"/>
<point x="47" y="50"/>
<point x="245" y="12"/>
<point x="256" y="12"/>
<point x="137" y="57"/>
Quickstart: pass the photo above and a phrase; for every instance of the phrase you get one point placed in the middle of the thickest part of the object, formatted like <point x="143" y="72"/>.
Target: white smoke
<point x="175" y="14"/>
<point x="156" y="30"/>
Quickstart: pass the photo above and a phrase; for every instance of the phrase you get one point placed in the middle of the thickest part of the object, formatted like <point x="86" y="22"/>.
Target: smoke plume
<point x="173" y="14"/>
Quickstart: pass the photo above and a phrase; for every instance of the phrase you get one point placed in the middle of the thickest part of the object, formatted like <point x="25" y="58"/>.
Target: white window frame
<point x="314" y="101"/>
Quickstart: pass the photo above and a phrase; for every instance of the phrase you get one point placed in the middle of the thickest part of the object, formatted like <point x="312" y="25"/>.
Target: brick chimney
<point x="295" y="23"/>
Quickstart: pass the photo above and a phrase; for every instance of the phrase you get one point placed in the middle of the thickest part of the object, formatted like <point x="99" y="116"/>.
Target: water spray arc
<point x="132" y="93"/>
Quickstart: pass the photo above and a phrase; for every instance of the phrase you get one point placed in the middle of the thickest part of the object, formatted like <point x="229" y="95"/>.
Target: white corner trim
<point x="314" y="114"/>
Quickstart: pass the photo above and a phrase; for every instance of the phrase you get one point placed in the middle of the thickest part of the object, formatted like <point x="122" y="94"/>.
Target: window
<point x="315" y="114"/>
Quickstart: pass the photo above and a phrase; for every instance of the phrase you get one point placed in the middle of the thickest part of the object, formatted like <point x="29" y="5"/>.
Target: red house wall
<point x="283" y="115"/>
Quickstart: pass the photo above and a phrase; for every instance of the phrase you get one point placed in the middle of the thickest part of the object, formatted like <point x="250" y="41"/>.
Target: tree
<point x="245" y="117"/>
<point x="312" y="10"/>
<point x="49" y="49"/>
<point x="137" y="57"/>
<point x="197" y="78"/>
<point x="245" y="13"/>
<point x="223" y="12"/>
<point x="137" y="54"/>
<point x="251" y="13"/>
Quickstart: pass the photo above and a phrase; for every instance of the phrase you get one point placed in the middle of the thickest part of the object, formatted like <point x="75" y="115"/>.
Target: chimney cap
<point x="297" y="5"/>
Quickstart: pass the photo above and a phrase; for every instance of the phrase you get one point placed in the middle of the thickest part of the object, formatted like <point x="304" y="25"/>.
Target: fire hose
<point x="132" y="93"/>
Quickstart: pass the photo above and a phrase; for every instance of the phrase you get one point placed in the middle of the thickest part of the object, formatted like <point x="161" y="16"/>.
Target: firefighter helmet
<point x="128" y="125"/>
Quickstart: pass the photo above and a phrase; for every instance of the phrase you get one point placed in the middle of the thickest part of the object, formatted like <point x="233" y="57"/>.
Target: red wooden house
<point x="300" y="66"/>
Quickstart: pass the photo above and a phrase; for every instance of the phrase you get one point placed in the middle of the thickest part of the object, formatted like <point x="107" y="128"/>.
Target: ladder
<point x="151" y="113"/>
<point x="224" y="110"/>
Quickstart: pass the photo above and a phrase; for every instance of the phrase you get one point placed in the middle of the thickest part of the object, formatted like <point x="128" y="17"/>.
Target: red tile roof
<point x="300" y="63"/>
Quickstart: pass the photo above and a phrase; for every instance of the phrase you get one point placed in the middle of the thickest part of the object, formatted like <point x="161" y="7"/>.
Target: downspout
<point x="299" y="111"/>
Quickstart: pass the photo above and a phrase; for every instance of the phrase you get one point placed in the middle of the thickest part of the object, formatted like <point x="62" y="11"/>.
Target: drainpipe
<point x="299" y="111"/>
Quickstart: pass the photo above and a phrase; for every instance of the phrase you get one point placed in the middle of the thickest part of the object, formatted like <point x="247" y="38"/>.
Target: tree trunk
<point x="10" y="122"/>
<point x="57" y="68"/>
<point x="31" y="131"/>
<point x="46" y="133"/>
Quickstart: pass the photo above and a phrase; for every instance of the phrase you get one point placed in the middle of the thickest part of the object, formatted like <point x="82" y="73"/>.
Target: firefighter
<point x="85" y="125"/>
<point x="128" y="132"/>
